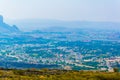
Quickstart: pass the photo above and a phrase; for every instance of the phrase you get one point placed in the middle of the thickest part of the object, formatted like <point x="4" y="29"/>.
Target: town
<point x="83" y="50"/>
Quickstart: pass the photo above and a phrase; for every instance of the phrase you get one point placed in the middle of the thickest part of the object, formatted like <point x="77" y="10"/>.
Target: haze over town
<point x="41" y="12"/>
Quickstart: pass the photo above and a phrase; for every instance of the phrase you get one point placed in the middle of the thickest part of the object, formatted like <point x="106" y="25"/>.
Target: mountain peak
<point x="5" y="28"/>
<point x="1" y="19"/>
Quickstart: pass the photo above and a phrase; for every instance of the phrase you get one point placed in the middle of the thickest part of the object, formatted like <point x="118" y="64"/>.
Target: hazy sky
<point x="87" y="10"/>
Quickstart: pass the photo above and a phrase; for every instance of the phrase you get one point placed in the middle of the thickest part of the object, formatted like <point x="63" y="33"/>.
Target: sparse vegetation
<point x="46" y="74"/>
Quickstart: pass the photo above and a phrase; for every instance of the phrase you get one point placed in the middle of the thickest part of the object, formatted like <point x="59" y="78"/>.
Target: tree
<point x="116" y="69"/>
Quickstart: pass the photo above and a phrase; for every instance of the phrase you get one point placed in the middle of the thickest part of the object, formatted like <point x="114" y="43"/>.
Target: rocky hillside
<point x="5" y="28"/>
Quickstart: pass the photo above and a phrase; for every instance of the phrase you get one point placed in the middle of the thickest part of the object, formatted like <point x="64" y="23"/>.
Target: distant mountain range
<point x="5" y="28"/>
<point x="51" y="25"/>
